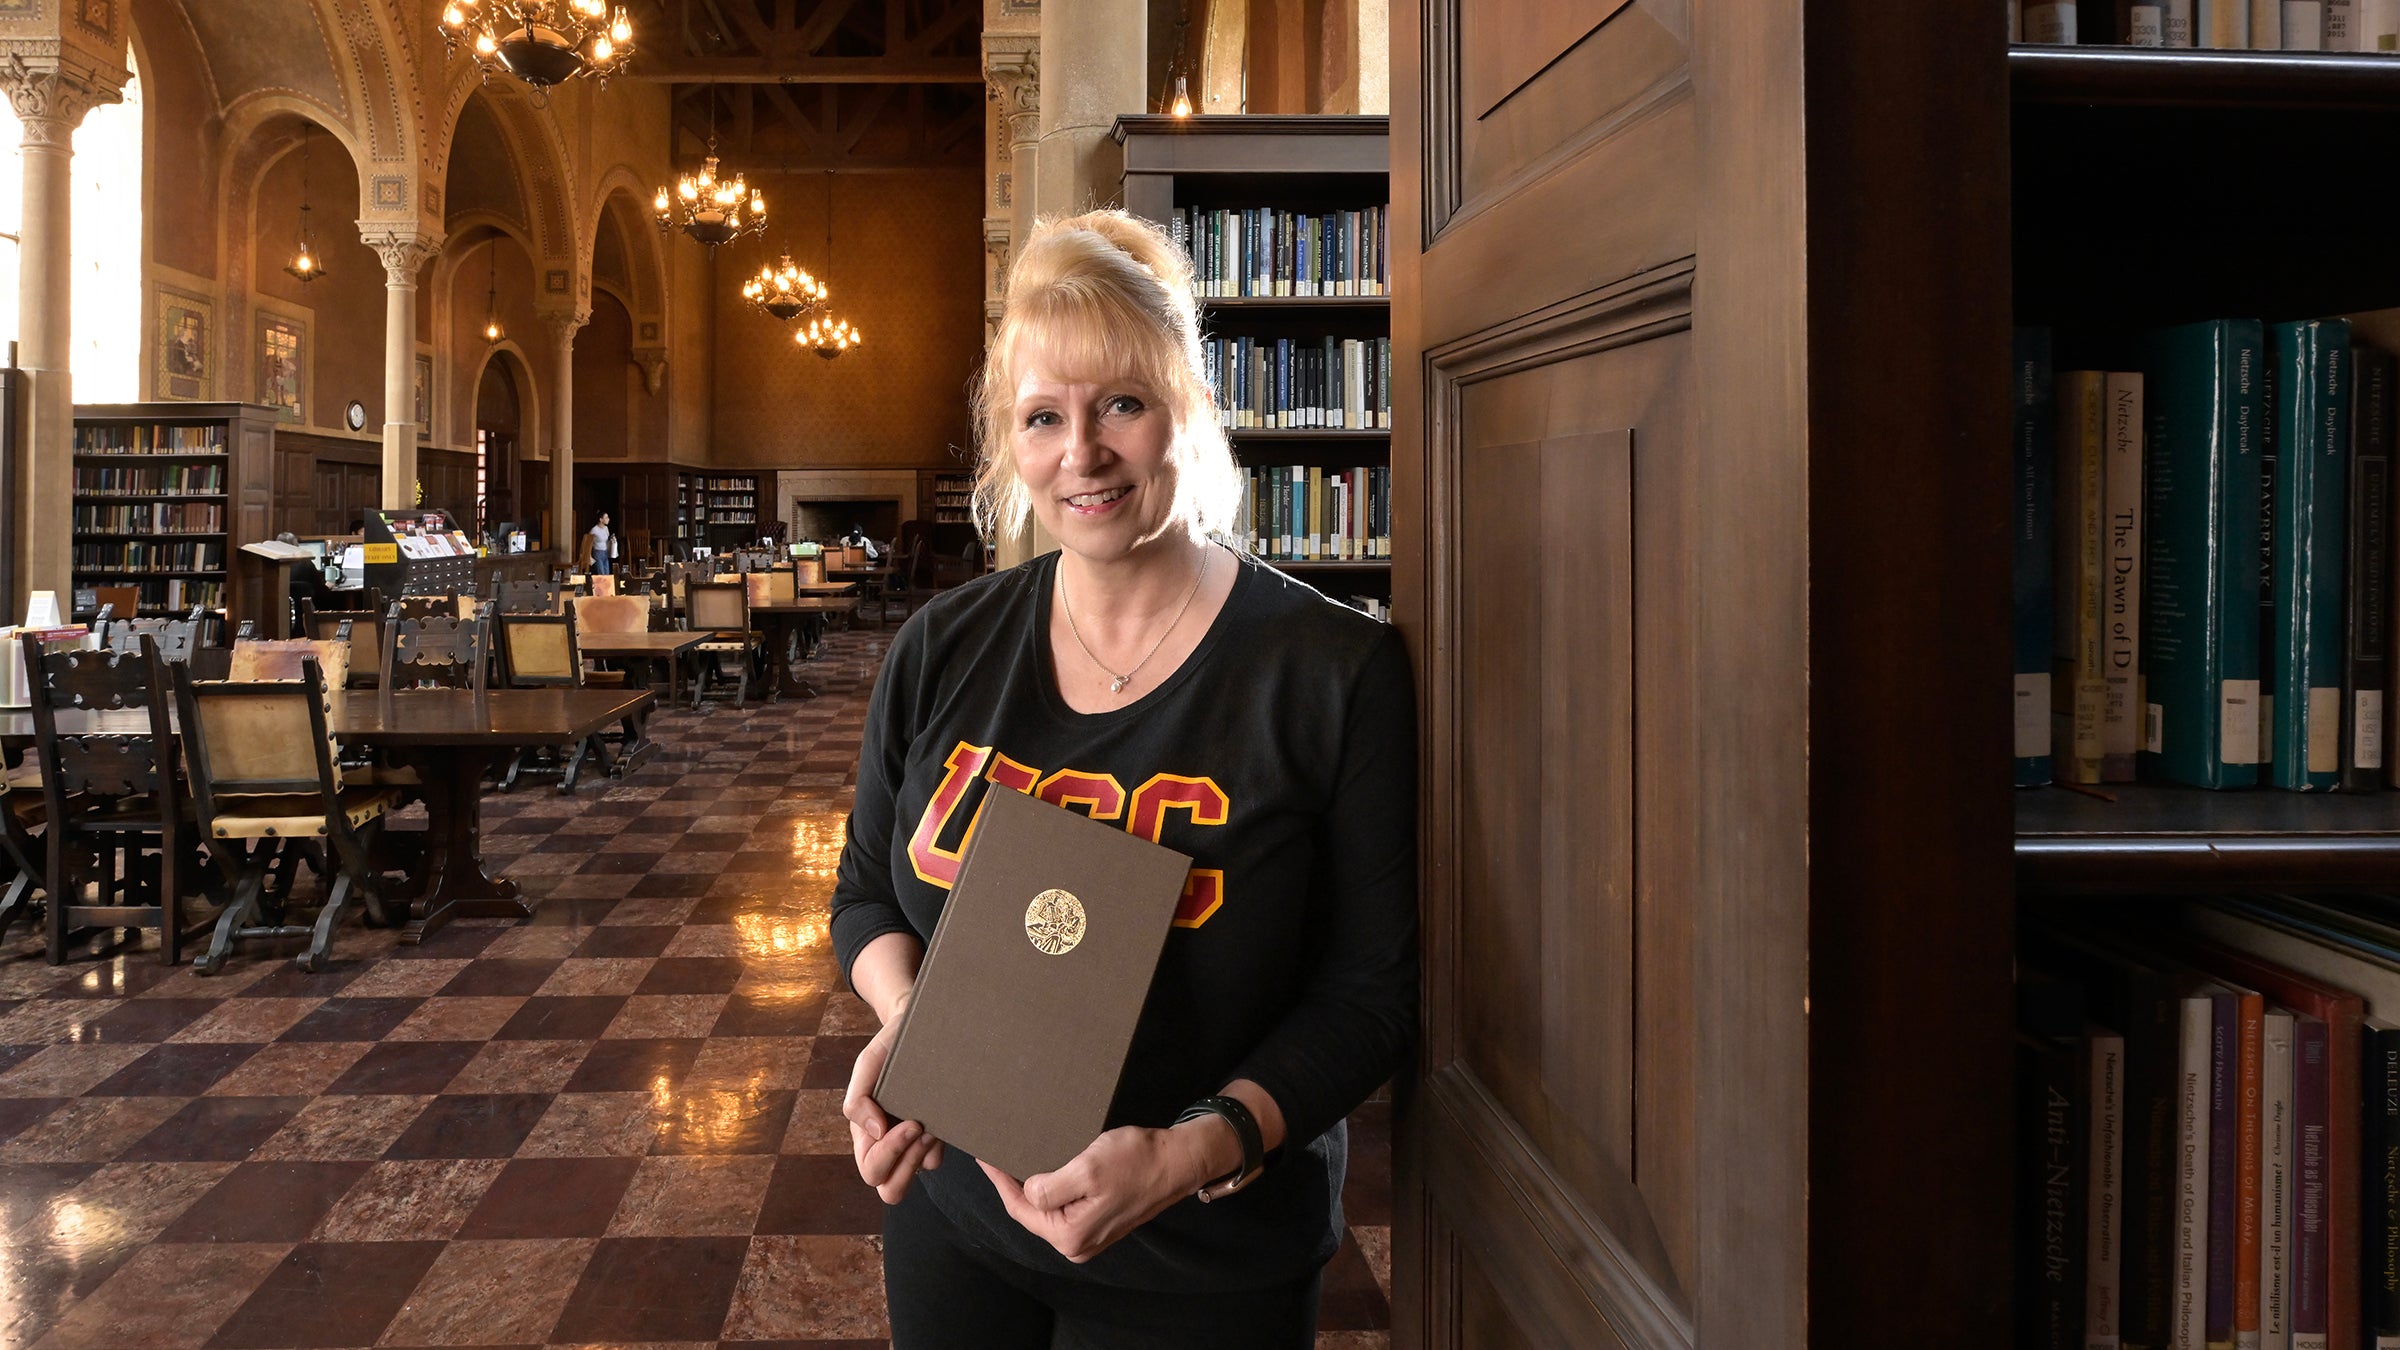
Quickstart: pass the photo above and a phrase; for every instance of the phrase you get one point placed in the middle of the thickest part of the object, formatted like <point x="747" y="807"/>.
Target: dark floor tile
<point x="551" y="1198"/>
<point x="266" y="1202"/>
<point x="555" y="1017"/>
<point x="1351" y="1300"/>
<point x="13" y="1055"/>
<point x="618" y="864"/>
<point x="26" y="1188"/>
<point x="471" y="1125"/>
<point x="174" y="1071"/>
<point x="149" y="1019"/>
<point x="667" y="825"/>
<point x="627" y="940"/>
<point x="452" y="943"/>
<point x="760" y="860"/>
<point x="829" y="1060"/>
<point x="404" y="1068"/>
<point x="520" y="824"/>
<point x="820" y="1194"/>
<point x="500" y="976"/>
<point x="558" y="912"/>
<point x="695" y="841"/>
<point x="692" y="975"/>
<point x="771" y="1015"/>
<point x="633" y="1066"/>
<point x="215" y="1129"/>
<point x="121" y="976"/>
<point x="328" y="1294"/>
<point x="289" y="981"/>
<point x="670" y="886"/>
<point x="352" y="1019"/>
<point x="653" y="1289"/>
<point x="17" y="1113"/>
<point x="724" y="1120"/>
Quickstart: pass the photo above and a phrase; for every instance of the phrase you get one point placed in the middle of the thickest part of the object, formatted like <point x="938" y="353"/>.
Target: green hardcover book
<point x="2311" y="364"/>
<point x="2200" y="639"/>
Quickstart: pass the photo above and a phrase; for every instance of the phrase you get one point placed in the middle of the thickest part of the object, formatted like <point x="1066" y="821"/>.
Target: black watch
<point x="1245" y="1127"/>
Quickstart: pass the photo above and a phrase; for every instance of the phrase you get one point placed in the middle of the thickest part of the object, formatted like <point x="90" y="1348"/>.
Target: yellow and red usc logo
<point x="1100" y="795"/>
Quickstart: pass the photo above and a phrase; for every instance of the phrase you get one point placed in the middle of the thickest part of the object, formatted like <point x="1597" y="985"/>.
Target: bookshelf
<point x="165" y="495"/>
<point x="950" y="496"/>
<point x="1289" y="204"/>
<point x="691" y="510"/>
<point x="730" y="506"/>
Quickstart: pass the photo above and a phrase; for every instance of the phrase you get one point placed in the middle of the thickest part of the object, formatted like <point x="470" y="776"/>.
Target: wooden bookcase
<point x="947" y="498"/>
<point x="155" y="479"/>
<point x="1311" y="165"/>
<point x="731" y="510"/>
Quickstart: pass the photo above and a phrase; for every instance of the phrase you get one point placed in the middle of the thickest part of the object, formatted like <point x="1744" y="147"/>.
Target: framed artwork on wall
<point x="424" y="396"/>
<point x="185" y="357"/>
<point x="282" y="352"/>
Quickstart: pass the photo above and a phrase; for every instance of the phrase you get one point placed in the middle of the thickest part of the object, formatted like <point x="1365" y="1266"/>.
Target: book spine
<point x="2078" y="683"/>
<point x="2224" y="1157"/>
<point x="2104" y="1189"/>
<point x="2311" y="1114"/>
<point x="2143" y="23"/>
<point x="2176" y="23"/>
<point x="2228" y="25"/>
<point x="2303" y="25"/>
<point x="2200" y="641"/>
<point x="2341" y="25"/>
<point x="2379" y="26"/>
<point x="2049" y="22"/>
<point x="2266" y="25"/>
<point x="2249" y="1150"/>
<point x="2312" y="485"/>
<point x="2381" y="1212"/>
<point x="2031" y="535"/>
<point x="2273" y="392"/>
<point x="2367" y="636"/>
<point x="2192" y="1172"/>
<point x="2051" y="1164"/>
<point x="2121" y="618"/>
<point x="2275" y="1185"/>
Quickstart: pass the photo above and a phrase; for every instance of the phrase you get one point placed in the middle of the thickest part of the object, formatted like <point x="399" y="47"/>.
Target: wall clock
<point x="356" y="415"/>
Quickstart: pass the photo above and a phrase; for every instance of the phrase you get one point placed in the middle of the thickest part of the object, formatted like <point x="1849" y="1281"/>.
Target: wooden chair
<point x="911" y="583"/>
<point x="175" y="638"/>
<point x="119" y="602"/>
<point x="22" y="815"/>
<point x="604" y="584"/>
<point x="366" y="638"/>
<point x="538" y="651"/>
<point x="435" y="653"/>
<point x="772" y="586"/>
<point x="722" y="609"/>
<point x="432" y="607"/>
<point x="528" y="597"/>
<point x="113" y="801"/>
<point x="266" y="784"/>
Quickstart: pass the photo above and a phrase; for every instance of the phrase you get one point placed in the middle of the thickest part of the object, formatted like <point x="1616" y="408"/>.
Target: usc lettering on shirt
<point x="1099" y="795"/>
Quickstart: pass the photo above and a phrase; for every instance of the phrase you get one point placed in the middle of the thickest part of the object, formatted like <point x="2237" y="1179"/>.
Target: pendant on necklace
<point x="1117" y="685"/>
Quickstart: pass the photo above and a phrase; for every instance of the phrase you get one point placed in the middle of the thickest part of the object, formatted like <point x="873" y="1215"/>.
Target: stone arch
<point x="623" y="198"/>
<point x="545" y="170"/>
<point x="531" y="412"/>
<point x="260" y="129"/>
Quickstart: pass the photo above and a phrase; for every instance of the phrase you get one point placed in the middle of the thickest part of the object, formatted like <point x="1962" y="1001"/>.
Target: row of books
<point x="1342" y="384"/>
<point x="1373" y="606"/>
<point x="148" y="438"/>
<point x="1304" y="513"/>
<point x="2239" y="25"/>
<point x="153" y="518"/>
<point x="2209" y="1128"/>
<point x="744" y="484"/>
<point x="158" y="480"/>
<point x="136" y="556"/>
<point x="174" y="596"/>
<point x="2204" y="558"/>
<point x="1263" y="251"/>
<point x="731" y="518"/>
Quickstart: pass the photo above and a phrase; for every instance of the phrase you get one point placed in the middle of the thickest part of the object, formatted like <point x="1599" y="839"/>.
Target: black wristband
<point x="1245" y="1127"/>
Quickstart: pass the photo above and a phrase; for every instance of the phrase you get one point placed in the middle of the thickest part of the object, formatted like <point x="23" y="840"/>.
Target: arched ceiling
<point x="299" y="59"/>
<point x="482" y="174"/>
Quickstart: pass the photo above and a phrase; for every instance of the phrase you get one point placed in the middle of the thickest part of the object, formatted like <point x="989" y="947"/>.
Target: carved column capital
<point x="564" y="324"/>
<point x="1012" y="66"/>
<point x="51" y="97"/>
<point x="653" y="361"/>
<point x="404" y="249"/>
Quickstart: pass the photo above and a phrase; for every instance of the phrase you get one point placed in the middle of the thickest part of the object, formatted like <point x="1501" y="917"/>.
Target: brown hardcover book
<point x="1028" y="995"/>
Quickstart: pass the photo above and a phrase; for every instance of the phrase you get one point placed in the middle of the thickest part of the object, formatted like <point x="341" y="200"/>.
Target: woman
<point x="1155" y="678"/>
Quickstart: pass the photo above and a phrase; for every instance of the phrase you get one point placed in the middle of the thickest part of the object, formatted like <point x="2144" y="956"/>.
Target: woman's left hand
<point x="1127" y="1177"/>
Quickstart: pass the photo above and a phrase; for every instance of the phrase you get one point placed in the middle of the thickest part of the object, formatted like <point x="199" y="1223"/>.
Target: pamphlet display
<point x="417" y="553"/>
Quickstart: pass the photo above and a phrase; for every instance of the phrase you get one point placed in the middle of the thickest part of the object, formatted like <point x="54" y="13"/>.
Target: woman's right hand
<point x="889" y="1153"/>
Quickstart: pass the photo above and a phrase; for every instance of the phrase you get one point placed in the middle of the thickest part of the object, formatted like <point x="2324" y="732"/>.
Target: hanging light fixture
<point x="783" y="290"/>
<point x="542" y="42"/>
<point x="492" y="331"/>
<point x="706" y="207"/>
<point x="306" y="264"/>
<point x="1176" y="97"/>
<point x="826" y="335"/>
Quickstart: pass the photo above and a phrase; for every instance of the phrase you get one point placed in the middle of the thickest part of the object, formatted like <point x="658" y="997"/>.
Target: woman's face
<point x="1097" y="457"/>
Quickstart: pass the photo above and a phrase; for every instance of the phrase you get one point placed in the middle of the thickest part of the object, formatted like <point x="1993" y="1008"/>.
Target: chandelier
<point x="826" y="335"/>
<point x="542" y="42"/>
<point x="492" y="331"/>
<point x="783" y="290"/>
<point x="709" y="208"/>
<point x="307" y="264"/>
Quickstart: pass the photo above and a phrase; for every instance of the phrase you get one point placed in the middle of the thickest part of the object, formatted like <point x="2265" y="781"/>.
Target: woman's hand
<point x="889" y="1153"/>
<point x="1126" y="1178"/>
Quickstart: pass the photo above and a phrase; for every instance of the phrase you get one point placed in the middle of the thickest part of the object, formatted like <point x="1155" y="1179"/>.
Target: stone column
<point x="1013" y="65"/>
<point x="404" y="251"/>
<point x="565" y="537"/>
<point x="51" y="102"/>
<point x="1098" y="56"/>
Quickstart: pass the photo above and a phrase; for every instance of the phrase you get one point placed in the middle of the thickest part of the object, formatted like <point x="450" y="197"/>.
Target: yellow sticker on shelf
<point x="382" y="553"/>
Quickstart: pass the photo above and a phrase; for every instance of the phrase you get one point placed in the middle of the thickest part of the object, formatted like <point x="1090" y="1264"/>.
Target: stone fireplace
<point x="822" y="504"/>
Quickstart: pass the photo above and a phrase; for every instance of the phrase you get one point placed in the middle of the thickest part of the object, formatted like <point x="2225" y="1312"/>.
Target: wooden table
<point x="667" y="648"/>
<point x="792" y="630"/>
<point x="828" y="588"/>
<point x="451" y="738"/>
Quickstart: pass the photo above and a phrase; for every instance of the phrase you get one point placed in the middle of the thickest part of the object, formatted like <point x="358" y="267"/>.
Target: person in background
<point x="599" y="548"/>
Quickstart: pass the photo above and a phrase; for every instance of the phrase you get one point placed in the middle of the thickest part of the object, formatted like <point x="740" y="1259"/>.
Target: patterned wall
<point x="908" y="269"/>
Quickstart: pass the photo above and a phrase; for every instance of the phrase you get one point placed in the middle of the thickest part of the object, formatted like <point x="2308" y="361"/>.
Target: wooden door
<point x="1688" y="985"/>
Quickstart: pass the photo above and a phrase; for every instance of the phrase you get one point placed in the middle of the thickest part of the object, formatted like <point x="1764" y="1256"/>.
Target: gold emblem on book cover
<point x="1054" y="922"/>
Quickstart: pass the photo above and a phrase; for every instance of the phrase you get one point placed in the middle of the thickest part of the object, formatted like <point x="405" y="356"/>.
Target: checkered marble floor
<point x="618" y="1122"/>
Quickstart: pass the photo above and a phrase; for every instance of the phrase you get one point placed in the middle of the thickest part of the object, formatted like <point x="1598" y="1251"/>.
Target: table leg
<point x="787" y="641"/>
<point x="456" y="886"/>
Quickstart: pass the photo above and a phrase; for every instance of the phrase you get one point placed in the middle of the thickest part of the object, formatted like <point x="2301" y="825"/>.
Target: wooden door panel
<point x="1613" y="70"/>
<point x="1504" y="44"/>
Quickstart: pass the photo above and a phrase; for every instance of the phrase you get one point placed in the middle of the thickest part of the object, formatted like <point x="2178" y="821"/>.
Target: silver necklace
<point x="1117" y="683"/>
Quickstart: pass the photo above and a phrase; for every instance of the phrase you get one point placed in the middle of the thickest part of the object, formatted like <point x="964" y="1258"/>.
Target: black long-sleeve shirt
<point x="1281" y="757"/>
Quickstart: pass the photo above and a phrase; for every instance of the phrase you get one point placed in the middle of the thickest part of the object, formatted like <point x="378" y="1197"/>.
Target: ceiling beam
<point x="804" y="70"/>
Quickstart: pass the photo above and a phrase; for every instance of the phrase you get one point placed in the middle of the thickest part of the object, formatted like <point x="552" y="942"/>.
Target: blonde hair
<point x="1099" y="293"/>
